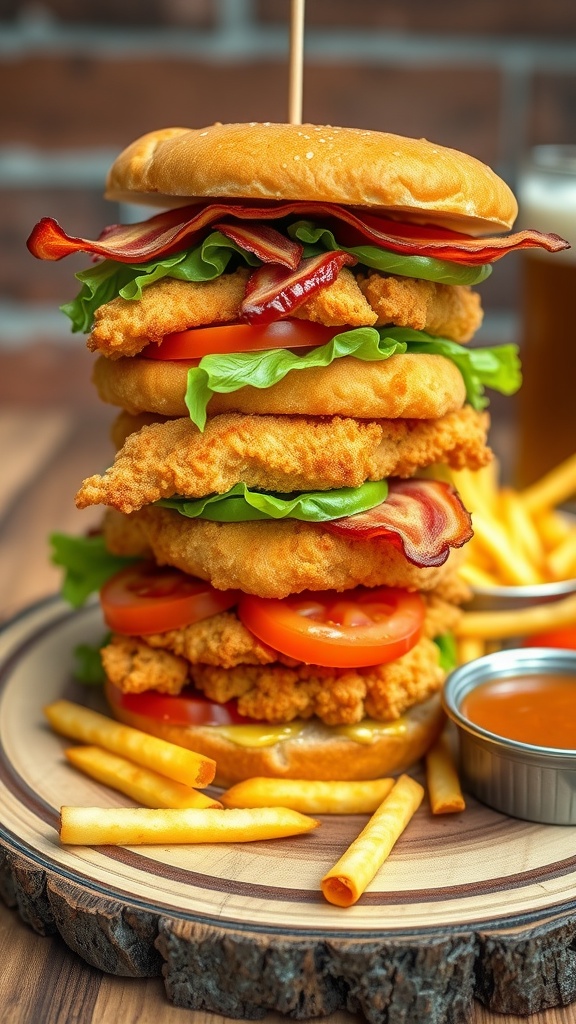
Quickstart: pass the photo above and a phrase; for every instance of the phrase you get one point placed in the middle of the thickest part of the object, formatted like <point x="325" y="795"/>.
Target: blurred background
<point x="81" y="80"/>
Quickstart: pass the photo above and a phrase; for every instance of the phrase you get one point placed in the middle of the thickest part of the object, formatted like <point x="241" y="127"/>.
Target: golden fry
<point x="346" y="881"/>
<point x="514" y="567"/>
<point x="553" y="528"/>
<point x="469" y="648"/>
<point x="138" y="826"/>
<point x="538" y="618"/>
<point x="562" y="560"/>
<point x="475" y="575"/>
<point x="555" y="488"/>
<point x="143" y="785"/>
<point x="79" y="723"/>
<point x="442" y="779"/>
<point x="308" y="796"/>
<point x="521" y="530"/>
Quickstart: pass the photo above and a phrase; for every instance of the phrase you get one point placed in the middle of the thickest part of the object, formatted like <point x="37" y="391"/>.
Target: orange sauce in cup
<point x="536" y="709"/>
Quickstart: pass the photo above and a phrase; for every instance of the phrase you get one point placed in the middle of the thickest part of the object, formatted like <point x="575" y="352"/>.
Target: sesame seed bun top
<point x="409" y="179"/>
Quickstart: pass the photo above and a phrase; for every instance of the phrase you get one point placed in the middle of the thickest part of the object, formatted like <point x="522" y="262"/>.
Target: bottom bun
<point x="312" y="751"/>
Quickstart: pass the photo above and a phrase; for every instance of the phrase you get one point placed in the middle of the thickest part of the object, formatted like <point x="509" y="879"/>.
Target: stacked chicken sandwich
<point x="286" y="341"/>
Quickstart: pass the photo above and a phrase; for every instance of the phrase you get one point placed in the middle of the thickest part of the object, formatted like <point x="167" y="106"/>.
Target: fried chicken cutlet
<point x="269" y="558"/>
<point x="224" y="660"/>
<point x="123" y="327"/>
<point x="278" y="453"/>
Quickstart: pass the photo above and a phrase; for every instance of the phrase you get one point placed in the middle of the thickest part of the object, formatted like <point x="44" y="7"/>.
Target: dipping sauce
<point x="535" y="709"/>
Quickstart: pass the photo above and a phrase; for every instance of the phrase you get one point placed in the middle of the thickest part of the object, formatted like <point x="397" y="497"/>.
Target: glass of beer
<point x="547" y="400"/>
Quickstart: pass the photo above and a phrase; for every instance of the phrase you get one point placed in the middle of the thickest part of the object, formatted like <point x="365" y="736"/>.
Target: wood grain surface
<point x="46" y="451"/>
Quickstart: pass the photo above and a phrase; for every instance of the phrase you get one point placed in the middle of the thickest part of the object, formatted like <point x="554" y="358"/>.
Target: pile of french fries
<point x="166" y="782"/>
<point x="520" y="539"/>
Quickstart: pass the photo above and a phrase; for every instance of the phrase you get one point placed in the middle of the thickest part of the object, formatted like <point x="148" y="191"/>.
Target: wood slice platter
<point x="470" y="905"/>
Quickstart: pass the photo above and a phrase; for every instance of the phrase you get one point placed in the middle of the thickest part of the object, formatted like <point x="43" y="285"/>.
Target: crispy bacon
<point x="272" y="292"/>
<point x="423" y="518"/>
<point x="175" y="230"/>
<point x="266" y="243"/>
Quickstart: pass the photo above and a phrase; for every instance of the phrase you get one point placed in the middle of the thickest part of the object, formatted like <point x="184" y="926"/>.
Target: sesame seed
<point x="309" y="155"/>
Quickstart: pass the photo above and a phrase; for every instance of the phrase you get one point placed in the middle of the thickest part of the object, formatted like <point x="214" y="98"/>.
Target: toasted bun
<point x="315" y="752"/>
<point x="408" y="178"/>
<point x="408" y="386"/>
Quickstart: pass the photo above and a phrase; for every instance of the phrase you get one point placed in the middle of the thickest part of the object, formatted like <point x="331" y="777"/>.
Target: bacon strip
<point x="266" y="243"/>
<point x="423" y="518"/>
<point x="175" y="230"/>
<point x="272" y="292"/>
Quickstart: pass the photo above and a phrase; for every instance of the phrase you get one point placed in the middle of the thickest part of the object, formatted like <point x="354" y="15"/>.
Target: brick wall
<point x="80" y="80"/>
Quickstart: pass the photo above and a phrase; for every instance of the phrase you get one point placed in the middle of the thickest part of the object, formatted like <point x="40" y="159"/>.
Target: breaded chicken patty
<point x="268" y="558"/>
<point x="123" y="327"/>
<point x="279" y="453"/>
<point x="224" y="660"/>
<point x="278" y="693"/>
<point x="404" y="386"/>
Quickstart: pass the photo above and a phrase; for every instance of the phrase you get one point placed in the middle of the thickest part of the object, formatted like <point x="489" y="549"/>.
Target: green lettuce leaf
<point x="446" y="644"/>
<point x="104" y="281"/>
<point x="86" y="563"/>
<point x="240" y="504"/>
<point x="319" y="239"/>
<point x="88" y="668"/>
<point x="498" y="368"/>
<point x="227" y="373"/>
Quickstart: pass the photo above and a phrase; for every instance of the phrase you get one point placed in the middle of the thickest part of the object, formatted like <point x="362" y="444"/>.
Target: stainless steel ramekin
<point x="524" y="781"/>
<point x="505" y="598"/>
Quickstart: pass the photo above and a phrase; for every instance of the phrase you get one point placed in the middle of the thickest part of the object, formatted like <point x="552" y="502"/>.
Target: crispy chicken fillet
<point x="280" y="453"/>
<point x="123" y="327"/>
<point x="222" y="658"/>
<point x="267" y="558"/>
<point x="409" y="385"/>
<point x="451" y="311"/>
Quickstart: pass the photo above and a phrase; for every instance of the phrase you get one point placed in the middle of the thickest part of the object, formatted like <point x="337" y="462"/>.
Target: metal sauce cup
<point x="504" y="598"/>
<point x="525" y="781"/>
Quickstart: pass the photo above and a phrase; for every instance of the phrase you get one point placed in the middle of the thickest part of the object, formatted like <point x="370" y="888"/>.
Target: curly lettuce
<point x="87" y="564"/>
<point x="497" y="368"/>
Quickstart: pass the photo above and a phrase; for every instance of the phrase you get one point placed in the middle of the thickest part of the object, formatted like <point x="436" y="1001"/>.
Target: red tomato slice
<point x="189" y="708"/>
<point x="146" y="598"/>
<point x="206" y="341"/>
<point x="555" y="638"/>
<point x="351" y="630"/>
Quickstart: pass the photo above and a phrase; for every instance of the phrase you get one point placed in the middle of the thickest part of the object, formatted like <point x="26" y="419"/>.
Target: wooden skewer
<point x="296" y="61"/>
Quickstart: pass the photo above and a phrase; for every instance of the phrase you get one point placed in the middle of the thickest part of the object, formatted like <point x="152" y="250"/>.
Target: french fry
<point x="520" y="526"/>
<point x="476" y="498"/>
<point x="308" y="796"/>
<point x="79" y="723"/>
<point x="554" y="488"/>
<point x="553" y="528"/>
<point x="468" y="648"/>
<point x="346" y="881"/>
<point x="442" y="779"/>
<point x="562" y="560"/>
<point x="138" y="826"/>
<point x="143" y="785"/>
<point x="475" y="575"/>
<point x="502" y="625"/>
<point x="515" y="568"/>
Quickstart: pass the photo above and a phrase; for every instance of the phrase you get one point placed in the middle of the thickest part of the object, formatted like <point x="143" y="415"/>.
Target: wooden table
<point x="52" y="433"/>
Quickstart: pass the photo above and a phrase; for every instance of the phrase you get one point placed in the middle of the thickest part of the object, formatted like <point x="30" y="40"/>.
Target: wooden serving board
<point x="467" y="905"/>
